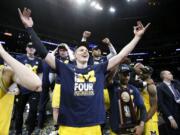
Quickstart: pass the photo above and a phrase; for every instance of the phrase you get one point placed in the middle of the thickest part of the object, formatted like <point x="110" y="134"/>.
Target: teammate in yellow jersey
<point x="15" y="72"/>
<point x="149" y="95"/>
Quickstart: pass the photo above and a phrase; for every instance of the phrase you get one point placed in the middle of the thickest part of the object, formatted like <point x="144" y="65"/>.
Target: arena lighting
<point x="93" y="3"/>
<point x="98" y="7"/>
<point x="50" y="43"/>
<point x="8" y="34"/>
<point x="112" y="9"/>
<point x="139" y="59"/>
<point x="135" y="54"/>
<point x="2" y="42"/>
<point x="80" y="1"/>
<point x="130" y="0"/>
<point x="178" y="49"/>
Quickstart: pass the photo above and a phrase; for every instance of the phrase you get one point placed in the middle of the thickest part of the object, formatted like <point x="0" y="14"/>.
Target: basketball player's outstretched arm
<point x="139" y="31"/>
<point x="19" y="73"/>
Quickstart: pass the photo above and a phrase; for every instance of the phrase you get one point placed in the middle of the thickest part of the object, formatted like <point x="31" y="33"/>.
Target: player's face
<point x="82" y="54"/>
<point x="96" y="52"/>
<point x="30" y="50"/>
<point x="124" y="77"/>
<point x="63" y="53"/>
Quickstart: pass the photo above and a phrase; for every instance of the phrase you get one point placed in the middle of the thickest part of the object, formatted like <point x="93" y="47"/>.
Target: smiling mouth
<point x="85" y="56"/>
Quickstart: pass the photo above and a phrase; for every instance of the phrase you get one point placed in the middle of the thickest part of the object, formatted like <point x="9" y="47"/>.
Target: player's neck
<point x="97" y="58"/>
<point x="81" y="65"/>
<point x="123" y="85"/>
<point x="167" y="80"/>
<point x="31" y="57"/>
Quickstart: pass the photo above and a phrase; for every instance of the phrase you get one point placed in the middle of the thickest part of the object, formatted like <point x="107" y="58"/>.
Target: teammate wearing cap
<point x="26" y="96"/>
<point x="135" y="97"/>
<point x="149" y="95"/>
<point x="82" y="108"/>
<point x="96" y="50"/>
<point x="14" y="72"/>
<point x="65" y="55"/>
<point x="97" y="58"/>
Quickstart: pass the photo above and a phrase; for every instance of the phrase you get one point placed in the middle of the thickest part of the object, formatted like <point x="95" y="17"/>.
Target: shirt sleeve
<point x="102" y="66"/>
<point x="60" y="67"/>
<point x="19" y="57"/>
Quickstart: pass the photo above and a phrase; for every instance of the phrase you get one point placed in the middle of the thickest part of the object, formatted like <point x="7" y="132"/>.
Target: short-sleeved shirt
<point x="81" y="94"/>
<point x="47" y="69"/>
<point x="35" y="65"/>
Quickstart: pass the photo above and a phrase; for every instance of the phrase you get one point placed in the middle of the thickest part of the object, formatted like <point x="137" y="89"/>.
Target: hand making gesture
<point x="140" y="29"/>
<point x="26" y="18"/>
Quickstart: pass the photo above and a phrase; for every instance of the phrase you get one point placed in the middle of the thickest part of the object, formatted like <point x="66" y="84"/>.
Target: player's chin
<point x="84" y="59"/>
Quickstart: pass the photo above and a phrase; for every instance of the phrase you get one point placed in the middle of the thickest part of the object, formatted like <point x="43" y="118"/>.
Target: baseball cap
<point x="30" y="45"/>
<point x="124" y="68"/>
<point x="62" y="46"/>
<point x="96" y="47"/>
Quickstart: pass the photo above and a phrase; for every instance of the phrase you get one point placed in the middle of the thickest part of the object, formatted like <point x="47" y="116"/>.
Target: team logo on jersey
<point x="66" y="61"/>
<point x="84" y="84"/>
<point x="33" y="68"/>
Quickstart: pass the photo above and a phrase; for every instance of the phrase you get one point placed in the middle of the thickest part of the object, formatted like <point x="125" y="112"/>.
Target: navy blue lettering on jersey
<point x="94" y="62"/>
<point x="35" y="65"/>
<point x="81" y="94"/>
<point x="114" y="108"/>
